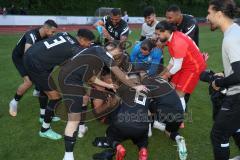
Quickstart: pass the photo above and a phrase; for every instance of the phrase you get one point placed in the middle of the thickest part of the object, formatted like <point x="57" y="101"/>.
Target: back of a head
<point x="148" y="11"/>
<point x="85" y="33"/>
<point x="116" y="12"/>
<point x="165" y="25"/>
<point x="173" y="8"/>
<point x="227" y="7"/>
<point x="148" y="44"/>
<point x="50" y="23"/>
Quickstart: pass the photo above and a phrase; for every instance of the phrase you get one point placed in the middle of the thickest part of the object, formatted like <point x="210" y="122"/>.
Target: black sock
<point x="83" y="115"/>
<point x="17" y="97"/>
<point x="52" y="104"/>
<point x="69" y="143"/>
<point x="43" y="100"/>
<point x="173" y="135"/>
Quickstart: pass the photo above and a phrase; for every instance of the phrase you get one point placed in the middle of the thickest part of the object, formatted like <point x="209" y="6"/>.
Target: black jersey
<point x="132" y="113"/>
<point x="53" y="51"/>
<point x="189" y="27"/>
<point x="85" y="64"/>
<point x="29" y="37"/>
<point x="164" y="99"/>
<point x="116" y="32"/>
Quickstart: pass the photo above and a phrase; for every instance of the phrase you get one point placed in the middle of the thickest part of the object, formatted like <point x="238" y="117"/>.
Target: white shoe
<point x="182" y="150"/>
<point x="235" y="158"/>
<point x="68" y="156"/>
<point x="150" y="130"/>
<point x="13" y="108"/>
<point x="82" y="130"/>
<point x="36" y="93"/>
<point x="160" y="126"/>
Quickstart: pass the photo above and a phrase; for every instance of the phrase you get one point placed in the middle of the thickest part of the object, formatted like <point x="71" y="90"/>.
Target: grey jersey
<point x="231" y="53"/>
<point x="148" y="31"/>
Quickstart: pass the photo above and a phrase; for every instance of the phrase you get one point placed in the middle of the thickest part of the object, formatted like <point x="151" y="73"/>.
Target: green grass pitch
<point x="19" y="138"/>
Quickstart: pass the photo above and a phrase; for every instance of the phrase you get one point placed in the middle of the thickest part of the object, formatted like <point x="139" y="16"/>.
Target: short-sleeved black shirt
<point x="53" y="51"/>
<point x="189" y="27"/>
<point x="116" y="32"/>
<point x="30" y="37"/>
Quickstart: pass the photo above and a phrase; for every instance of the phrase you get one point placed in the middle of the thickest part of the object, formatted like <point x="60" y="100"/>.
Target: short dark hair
<point x="173" y="8"/>
<point x="227" y="7"/>
<point x="85" y="33"/>
<point x="51" y="23"/>
<point x="147" y="44"/>
<point x="148" y="11"/>
<point x="116" y="12"/>
<point x="164" y="25"/>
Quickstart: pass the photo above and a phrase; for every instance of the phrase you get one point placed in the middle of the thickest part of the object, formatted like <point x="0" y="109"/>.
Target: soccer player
<point x="148" y="28"/>
<point x="226" y="124"/>
<point x="113" y="27"/>
<point x="40" y="60"/>
<point x="84" y="68"/>
<point x="184" y="23"/>
<point x="27" y="40"/>
<point x="168" y="115"/>
<point x="186" y="63"/>
<point x="146" y="56"/>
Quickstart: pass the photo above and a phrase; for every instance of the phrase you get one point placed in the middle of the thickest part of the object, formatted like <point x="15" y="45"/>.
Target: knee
<point x="27" y="83"/>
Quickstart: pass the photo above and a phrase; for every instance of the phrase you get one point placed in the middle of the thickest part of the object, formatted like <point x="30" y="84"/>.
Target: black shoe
<point x="101" y="142"/>
<point x="104" y="155"/>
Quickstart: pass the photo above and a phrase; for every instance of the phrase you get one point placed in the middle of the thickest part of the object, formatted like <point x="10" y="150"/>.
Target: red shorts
<point x="185" y="80"/>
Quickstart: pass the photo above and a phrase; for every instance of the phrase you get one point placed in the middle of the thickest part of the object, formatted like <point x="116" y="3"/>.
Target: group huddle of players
<point x="75" y="71"/>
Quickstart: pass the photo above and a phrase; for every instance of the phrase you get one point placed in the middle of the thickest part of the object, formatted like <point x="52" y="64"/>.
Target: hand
<point x="205" y="56"/>
<point x="113" y="87"/>
<point x="141" y="88"/>
<point x="220" y="74"/>
<point x="106" y="34"/>
<point x="215" y="87"/>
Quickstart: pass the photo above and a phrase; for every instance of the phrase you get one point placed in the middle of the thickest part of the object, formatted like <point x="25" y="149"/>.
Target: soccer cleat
<point x="150" y="130"/>
<point x="143" y="154"/>
<point x="101" y="142"/>
<point x="50" y="134"/>
<point x="158" y="125"/>
<point x="68" y="156"/>
<point x="181" y="147"/>
<point x="120" y="152"/>
<point x="36" y="93"/>
<point x="54" y="119"/>
<point x="13" y="105"/>
<point x="82" y="130"/>
<point x="104" y="155"/>
<point x="235" y="158"/>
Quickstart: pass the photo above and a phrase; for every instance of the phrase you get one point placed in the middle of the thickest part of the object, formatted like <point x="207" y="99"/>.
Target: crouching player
<point x="169" y="115"/>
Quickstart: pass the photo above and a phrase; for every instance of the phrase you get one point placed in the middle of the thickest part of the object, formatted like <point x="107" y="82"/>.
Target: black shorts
<point x="18" y="62"/>
<point x="40" y="77"/>
<point x="138" y="136"/>
<point x="73" y="104"/>
<point x="172" y="126"/>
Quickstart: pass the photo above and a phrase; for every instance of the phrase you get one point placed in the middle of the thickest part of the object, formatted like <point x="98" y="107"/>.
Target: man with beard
<point x="184" y="23"/>
<point x="220" y="15"/>
<point x="186" y="63"/>
<point x="27" y="40"/>
<point x="148" y="28"/>
<point x="113" y="27"/>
